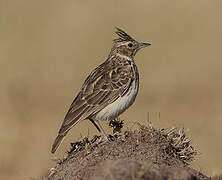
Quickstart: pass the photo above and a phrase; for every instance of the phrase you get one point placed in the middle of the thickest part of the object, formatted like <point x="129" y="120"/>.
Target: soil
<point x="145" y="153"/>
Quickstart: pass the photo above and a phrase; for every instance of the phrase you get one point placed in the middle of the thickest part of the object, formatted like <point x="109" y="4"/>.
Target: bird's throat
<point x="125" y="57"/>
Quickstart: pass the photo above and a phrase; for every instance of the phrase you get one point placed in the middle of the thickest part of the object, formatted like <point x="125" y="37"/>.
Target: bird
<point x="109" y="90"/>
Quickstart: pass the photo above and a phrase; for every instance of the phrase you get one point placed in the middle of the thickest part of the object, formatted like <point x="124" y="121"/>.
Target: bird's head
<point x="125" y="45"/>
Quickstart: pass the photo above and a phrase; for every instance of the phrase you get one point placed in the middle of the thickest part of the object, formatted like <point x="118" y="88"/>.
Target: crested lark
<point x="109" y="90"/>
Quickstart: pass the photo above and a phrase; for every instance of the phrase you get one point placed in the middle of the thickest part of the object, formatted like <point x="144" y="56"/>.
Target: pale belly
<point x="119" y="106"/>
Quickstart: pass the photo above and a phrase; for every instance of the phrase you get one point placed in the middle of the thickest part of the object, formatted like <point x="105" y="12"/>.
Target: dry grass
<point x="180" y="145"/>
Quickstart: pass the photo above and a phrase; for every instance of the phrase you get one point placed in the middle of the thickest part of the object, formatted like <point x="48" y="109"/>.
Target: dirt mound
<point x="146" y="153"/>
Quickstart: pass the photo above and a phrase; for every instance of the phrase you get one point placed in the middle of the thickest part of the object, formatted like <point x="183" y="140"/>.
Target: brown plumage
<point x="109" y="89"/>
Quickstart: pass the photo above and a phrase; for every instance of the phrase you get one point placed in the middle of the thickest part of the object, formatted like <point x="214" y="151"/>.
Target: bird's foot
<point x="105" y="138"/>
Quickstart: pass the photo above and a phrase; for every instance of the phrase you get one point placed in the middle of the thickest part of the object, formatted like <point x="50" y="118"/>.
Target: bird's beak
<point x="142" y="45"/>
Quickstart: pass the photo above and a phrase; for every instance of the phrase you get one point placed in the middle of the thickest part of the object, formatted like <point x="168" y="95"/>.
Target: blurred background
<point x="47" y="48"/>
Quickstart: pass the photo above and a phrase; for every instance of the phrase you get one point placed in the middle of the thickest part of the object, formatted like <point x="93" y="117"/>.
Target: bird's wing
<point x="103" y="86"/>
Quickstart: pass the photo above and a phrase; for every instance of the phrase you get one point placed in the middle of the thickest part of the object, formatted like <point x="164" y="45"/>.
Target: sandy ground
<point x="146" y="153"/>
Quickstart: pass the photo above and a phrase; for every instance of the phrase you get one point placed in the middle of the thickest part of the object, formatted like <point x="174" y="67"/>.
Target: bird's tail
<point x="57" y="142"/>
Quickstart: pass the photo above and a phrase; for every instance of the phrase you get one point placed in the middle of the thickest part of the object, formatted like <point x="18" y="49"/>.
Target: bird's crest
<point x="123" y="36"/>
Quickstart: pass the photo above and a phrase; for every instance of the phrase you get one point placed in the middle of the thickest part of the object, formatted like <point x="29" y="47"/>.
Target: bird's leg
<point x="100" y="129"/>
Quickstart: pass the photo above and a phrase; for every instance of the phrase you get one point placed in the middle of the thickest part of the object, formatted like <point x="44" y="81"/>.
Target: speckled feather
<point x="103" y="86"/>
<point x="109" y="89"/>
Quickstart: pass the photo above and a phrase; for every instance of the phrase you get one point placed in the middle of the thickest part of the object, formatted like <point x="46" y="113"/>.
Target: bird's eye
<point x="130" y="45"/>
